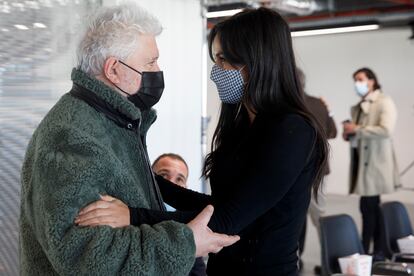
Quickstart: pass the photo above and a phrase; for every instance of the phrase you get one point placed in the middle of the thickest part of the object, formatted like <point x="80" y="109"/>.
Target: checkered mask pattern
<point x="229" y="84"/>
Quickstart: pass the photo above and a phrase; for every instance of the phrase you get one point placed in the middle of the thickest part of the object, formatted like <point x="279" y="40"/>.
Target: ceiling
<point x="314" y="14"/>
<point x="36" y="32"/>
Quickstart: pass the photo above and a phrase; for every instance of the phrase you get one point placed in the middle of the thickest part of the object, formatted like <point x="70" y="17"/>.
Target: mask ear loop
<point x="238" y="111"/>
<point x="240" y="103"/>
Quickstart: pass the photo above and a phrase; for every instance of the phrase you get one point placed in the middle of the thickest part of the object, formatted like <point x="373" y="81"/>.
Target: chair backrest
<point x="339" y="238"/>
<point x="396" y="224"/>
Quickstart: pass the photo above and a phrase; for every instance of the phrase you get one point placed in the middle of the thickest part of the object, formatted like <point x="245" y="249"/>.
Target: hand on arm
<point x="113" y="212"/>
<point x="107" y="211"/>
<point x="206" y="240"/>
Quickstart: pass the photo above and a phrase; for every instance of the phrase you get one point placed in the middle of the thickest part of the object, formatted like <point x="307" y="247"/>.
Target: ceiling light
<point x="336" y="30"/>
<point x="4" y="30"/>
<point x="39" y="25"/>
<point x="222" y="13"/>
<point x="21" y="27"/>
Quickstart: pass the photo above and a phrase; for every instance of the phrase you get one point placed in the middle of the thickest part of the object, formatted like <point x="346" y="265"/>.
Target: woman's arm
<point x="140" y="216"/>
<point x="115" y="213"/>
<point x="284" y="153"/>
<point x="180" y="198"/>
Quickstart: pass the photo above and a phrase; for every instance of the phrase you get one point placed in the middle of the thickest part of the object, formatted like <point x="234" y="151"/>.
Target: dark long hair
<point x="370" y="75"/>
<point x="260" y="39"/>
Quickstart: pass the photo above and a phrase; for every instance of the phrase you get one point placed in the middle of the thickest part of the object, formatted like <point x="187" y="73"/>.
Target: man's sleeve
<point x="66" y="177"/>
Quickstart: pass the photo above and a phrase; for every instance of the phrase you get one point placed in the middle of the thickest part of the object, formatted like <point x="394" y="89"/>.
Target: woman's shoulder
<point x="289" y="120"/>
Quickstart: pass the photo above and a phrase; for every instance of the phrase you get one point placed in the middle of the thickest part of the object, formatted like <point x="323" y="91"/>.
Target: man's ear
<point x="111" y="70"/>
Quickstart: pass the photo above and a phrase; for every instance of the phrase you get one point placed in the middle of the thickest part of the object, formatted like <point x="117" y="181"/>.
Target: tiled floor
<point x="339" y="204"/>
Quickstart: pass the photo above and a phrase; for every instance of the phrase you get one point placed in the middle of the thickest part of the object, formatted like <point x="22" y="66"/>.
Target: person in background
<point x="317" y="208"/>
<point x="92" y="143"/>
<point x="173" y="167"/>
<point x="374" y="169"/>
<point x="268" y="152"/>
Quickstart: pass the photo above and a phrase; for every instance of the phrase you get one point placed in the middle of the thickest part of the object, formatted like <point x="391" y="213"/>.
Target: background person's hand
<point x="207" y="241"/>
<point x="350" y="128"/>
<point x="107" y="211"/>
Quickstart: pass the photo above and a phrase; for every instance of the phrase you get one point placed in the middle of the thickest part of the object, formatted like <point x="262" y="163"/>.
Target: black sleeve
<point x="331" y="128"/>
<point x="180" y="198"/>
<point x="282" y="156"/>
<point x="199" y="268"/>
<point x="140" y="216"/>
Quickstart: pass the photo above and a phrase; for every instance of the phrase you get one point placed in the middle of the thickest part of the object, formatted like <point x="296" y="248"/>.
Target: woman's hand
<point x="107" y="211"/>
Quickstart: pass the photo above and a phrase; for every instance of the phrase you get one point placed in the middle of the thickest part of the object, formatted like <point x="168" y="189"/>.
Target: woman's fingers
<point x="100" y="204"/>
<point x="97" y="221"/>
<point x="107" y="211"/>
<point x="95" y="213"/>
<point x="107" y="198"/>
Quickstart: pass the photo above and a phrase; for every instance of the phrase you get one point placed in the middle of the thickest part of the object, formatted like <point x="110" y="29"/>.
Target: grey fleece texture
<point x="75" y="154"/>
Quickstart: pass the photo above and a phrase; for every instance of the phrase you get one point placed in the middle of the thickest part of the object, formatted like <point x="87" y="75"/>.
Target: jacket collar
<point x="114" y="99"/>
<point x="365" y="104"/>
<point x="372" y="97"/>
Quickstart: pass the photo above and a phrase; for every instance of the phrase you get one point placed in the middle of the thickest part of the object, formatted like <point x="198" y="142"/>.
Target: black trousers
<point x="371" y="222"/>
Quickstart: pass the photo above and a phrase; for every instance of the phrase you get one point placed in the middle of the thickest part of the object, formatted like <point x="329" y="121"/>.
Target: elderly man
<point x="92" y="143"/>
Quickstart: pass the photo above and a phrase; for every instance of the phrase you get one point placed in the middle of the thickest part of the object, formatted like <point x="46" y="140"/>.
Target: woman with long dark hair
<point x="268" y="151"/>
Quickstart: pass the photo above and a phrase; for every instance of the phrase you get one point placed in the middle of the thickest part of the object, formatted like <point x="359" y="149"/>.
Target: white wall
<point x="178" y="127"/>
<point x="329" y="61"/>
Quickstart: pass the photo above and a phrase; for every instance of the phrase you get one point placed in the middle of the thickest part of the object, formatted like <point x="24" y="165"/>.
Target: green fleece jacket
<point x="76" y="154"/>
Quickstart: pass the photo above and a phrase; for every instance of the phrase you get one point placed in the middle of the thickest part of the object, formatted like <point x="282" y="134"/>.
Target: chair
<point x="339" y="238"/>
<point x="396" y="224"/>
<point x="391" y="268"/>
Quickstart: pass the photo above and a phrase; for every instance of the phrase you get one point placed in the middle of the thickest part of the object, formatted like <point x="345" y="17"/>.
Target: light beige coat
<point x="377" y="169"/>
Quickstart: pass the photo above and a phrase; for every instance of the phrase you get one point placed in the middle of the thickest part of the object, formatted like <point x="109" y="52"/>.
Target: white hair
<point x="114" y="31"/>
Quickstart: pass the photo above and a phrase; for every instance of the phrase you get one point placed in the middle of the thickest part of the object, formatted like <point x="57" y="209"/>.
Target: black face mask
<point x="150" y="92"/>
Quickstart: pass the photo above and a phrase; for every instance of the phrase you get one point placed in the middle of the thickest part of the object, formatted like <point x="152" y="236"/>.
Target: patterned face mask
<point x="230" y="84"/>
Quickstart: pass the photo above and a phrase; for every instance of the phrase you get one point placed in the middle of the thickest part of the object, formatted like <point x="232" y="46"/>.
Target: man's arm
<point x="331" y="128"/>
<point x="64" y="177"/>
<point x="286" y="150"/>
<point x="385" y="126"/>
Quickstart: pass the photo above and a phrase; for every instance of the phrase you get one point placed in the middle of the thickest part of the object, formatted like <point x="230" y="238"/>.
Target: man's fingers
<point x="226" y="240"/>
<point x="205" y="215"/>
<point x="219" y="241"/>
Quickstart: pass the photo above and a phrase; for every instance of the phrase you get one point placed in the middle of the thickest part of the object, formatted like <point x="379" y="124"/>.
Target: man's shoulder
<point x="70" y="123"/>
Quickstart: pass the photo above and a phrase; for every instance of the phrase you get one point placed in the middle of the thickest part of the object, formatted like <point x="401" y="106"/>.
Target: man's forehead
<point x="147" y="47"/>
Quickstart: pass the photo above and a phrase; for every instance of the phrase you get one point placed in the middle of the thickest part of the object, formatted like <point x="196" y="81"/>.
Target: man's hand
<point x="206" y="240"/>
<point x="350" y="128"/>
<point x="107" y="211"/>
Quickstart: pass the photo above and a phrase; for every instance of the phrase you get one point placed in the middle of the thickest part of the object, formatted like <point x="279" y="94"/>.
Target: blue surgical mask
<point x="361" y="88"/>
<point x="230" y="84"/>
